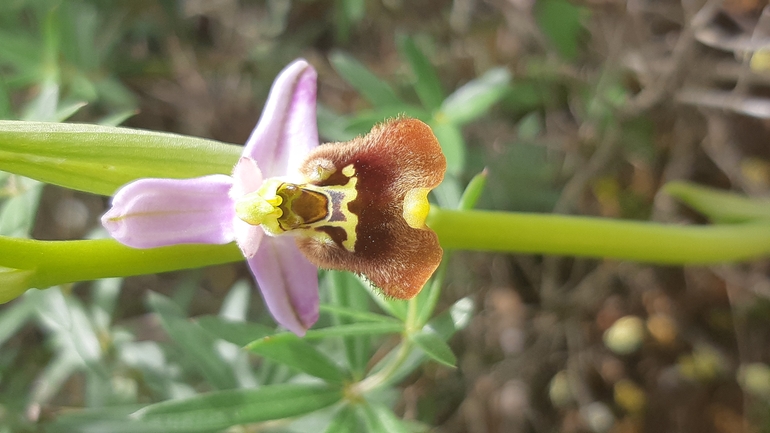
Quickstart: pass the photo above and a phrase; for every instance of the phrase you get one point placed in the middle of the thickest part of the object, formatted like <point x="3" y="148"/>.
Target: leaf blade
<point x="100" y="159"/>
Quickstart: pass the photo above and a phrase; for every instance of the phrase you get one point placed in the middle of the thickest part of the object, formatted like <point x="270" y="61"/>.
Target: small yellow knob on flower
<point x="416" y="207"/>
<point x="255" y="209"/>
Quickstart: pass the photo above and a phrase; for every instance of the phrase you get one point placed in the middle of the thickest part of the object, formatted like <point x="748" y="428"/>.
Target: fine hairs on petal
<point x="394" y="159"/>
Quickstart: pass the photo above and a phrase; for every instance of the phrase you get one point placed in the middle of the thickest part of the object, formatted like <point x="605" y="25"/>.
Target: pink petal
<point x="247" y="236"/>
<point x="150" y="213"/>
<point x="288" y="127"/>
<point x="289" y="283"/>
<point x="246" y="178"/>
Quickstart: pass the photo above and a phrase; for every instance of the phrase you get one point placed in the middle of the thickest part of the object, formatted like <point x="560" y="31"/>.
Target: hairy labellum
<point x="377" y="187"/>
<point x="362" y="206"/>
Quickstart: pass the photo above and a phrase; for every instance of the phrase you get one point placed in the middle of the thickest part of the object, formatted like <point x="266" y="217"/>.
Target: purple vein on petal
<point x="287" y="129"/>
<point x="150" y="213"/>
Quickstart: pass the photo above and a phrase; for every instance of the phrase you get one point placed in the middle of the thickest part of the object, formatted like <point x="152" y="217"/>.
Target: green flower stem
<point x="381" y="377"/>
<point x="58" y="262"/>
<point x="599" y="237"/>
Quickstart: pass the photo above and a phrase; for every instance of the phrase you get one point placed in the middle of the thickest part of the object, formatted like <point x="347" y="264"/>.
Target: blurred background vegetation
<point x="586" y="108"/>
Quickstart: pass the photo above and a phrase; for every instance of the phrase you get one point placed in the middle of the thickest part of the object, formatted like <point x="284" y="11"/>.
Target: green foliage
<point x="719" y="206"/>
<point x="99" y="159"/>
<point x="445" y="114"/>
<point x="166" y="367"/>
<point x="561" y="21"/>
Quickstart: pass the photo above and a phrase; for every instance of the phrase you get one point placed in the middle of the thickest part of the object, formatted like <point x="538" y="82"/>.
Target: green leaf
<point x="449" y="193"/>
<point x="428" y="86"/>
<point x="44" y="107"/>
<point x="239" y="333"/>
<point x="333" y="126"/>
<point x="428" y="298"/>
<point x="434" y="346"/>
<point x="355" y="315"/>
<point x="453" y="320"/>
<point x="445" y="325"/>
<point x="719" y="206"/>
<point x="118" y="117"/>
<point x="100" y="159"/>
<point x="17" y="214"/>
<point x="394" y="307"/>
<point x="198" y="344"/>
<point x="381" y="419"/>
<point x="346" y="291"/>
<point x="59" y="262"/>
<point x="206" y="412"/>
<point x="104" y="298"/>
<point x="235" y="306"/>
<point x="473" y="191"/>
<point x="362" y="328"/>
<point x="14" y="316"/>
<point x="377" y="92"/>
<point x="290" y="350"/>
<point x="452" y="144"/>
<point x="560" y="20"/>
<point x="344" y="421"/>
<point x="472" y="100"/>
<point x="228" y="408"/>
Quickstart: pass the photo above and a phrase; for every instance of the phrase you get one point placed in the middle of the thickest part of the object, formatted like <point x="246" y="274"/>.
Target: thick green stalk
<point x="599" y="237"/>
<point x="58" y="262"/>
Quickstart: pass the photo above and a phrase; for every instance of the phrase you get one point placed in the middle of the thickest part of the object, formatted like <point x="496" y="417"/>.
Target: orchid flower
<point x="292" y="206"/>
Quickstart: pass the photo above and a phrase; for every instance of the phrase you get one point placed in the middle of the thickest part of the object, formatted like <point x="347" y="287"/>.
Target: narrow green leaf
<point x="445" y="324"/>
<point x="394" y="307"/>
<point x="100" y="159"/>
<point x="452" y="144"/>
<point x="449" y="193"/>
<point x="362" y="328"/>
<point x="344" y="421"/>
<point x="198" y="344"/>
<point x="428" y="297"/>
<point x="17" y="214"/>
<point x="14" y="317"/>
<point x="290" y="350"/>
<point x="239" y="333"/>
<point x="59" y="262"/>
<point x="43" y="107"/>
<point x="428" y="86"/>
<point x="453" y="320"/>
<point x="14" y="282"/>
<point x="224" y="409"/>
<point x="473" y="191"/>
<point x="333" y="126"/>
<point x="472" y="100"/>
<point x="719" y="206"/>
<point x="104" y="297"/>
<point x="434" y="346"/>
<point x="374" y="90"/>
<point x="381" y="419"/>
<point x="118" y="117"/>
<point x="235" y="306"/>
<point x="356" y="315"/>
<point x="352" y="304"/>
<point x="64" y="112"/>
<point x="107" y="419"/>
